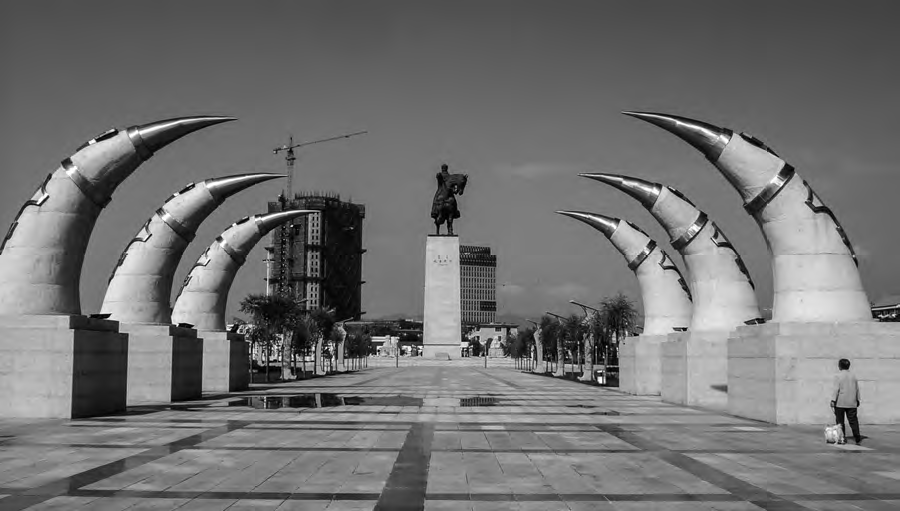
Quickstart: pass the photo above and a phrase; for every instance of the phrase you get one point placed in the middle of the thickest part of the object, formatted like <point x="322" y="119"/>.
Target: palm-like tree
<point x="273" y="315"/>
<point x="572" y="330"/>
<point x="550" y="332"/>
<point x="618" y="316"/>
<point x="319" y="323"/>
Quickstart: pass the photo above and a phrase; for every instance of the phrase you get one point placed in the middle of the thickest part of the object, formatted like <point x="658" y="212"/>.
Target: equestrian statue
<point x="444" y="208"/>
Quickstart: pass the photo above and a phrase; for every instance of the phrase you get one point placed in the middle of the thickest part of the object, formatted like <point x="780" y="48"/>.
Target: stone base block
<point x="340" y="365"/>
<point x="441" y="352"/>
<point x="226" y="362"/>
<point x="640" y="365"/>
<point x="587" y="373"/>
<point x="784" y="372"/>
<point x="695" y="369"/>
<point x="165" y="363"/>
<point x="61" y="367"/>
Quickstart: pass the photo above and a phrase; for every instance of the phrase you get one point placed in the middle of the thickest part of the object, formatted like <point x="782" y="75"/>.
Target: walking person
<point x="845" y="399"/>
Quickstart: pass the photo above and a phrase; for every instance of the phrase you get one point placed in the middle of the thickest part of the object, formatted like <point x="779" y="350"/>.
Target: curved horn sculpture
<point x="664" y="292"/>
<point x="814" y="266"/>
<point x="204" y="294"/>
<point x="141" y="284"/>
<point x="43" y="251"/>
<point x="720" y="283"/>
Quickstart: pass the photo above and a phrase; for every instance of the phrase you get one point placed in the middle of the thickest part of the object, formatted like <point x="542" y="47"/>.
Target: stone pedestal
<point x="784" y="372"/>
<point x="226" y="362"/>
<point x="640" y="365"/>
<point x="165" y="363"/>
<point x="587" y="373"/>
<point x="695" y="369"/>
<point x="61" y="367"/>
<point x="319" y="367"/>
<point x="339" y="366"/>
<point x="443" y="319"/>
<point x="540" y="365"/>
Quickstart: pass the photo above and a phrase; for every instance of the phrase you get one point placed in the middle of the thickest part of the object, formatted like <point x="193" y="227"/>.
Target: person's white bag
<point x="834" y="434"/>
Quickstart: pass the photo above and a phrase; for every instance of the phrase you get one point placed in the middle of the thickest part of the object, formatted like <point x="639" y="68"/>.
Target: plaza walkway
<point x="438" y="439"/>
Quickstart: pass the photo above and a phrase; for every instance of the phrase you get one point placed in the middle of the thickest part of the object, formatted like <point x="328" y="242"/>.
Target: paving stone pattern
<point x="533" y="443"/>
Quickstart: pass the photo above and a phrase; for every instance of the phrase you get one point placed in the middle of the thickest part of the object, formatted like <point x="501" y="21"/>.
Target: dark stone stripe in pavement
<point x="479" y="497"/>
<point x="524" y="450"/>
<point x="584" y="497"/>
<point x="225" y="495"/>
<point x="483" y="411"/>
<point x="438" y="426"/>
<point x="404" y="425"/>
<point x="225" y="447"/>
<point x="835" y="471"/>
<point x="742" y="489"/>
<point x="86" y="422"/>
<point x="406" y="485"/>
<point x="24" y="498"/>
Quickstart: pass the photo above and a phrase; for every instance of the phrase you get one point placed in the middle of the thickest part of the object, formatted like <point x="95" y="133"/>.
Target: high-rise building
<point x="318" y="257"/>
<point x="478" y="284"/>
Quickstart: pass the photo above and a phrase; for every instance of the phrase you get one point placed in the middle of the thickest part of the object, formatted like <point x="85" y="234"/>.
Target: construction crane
<point x="289" y="157"/>
<point x="287" y="231"/>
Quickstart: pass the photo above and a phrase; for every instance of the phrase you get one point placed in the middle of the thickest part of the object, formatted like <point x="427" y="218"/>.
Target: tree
<point x="519" y="346"/>
<point x="318" y="323"/>
<point x="302" y="341"/>
<point x="572" y="331"/>
<point x="550" y="330"/>
<point x="618" y="315"/>
<point x="410" y="339"/>
<point x="275" y="315"/>
<point x="359" y="342"/>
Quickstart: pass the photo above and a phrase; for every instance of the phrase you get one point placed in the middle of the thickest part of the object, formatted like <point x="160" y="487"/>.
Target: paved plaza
<point x="438" y="439"/>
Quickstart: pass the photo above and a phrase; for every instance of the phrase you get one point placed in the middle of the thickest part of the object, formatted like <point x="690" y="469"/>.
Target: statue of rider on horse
<point x="444" y="208"/>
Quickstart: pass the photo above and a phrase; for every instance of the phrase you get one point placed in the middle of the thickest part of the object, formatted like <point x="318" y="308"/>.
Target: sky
<point x="521" y="95"/>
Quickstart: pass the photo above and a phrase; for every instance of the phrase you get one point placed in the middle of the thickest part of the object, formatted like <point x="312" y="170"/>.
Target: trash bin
<point x="599" y="376"/>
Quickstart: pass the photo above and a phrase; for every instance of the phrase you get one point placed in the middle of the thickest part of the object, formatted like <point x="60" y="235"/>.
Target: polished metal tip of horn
<point x="223" y="187"/>
<point x="272" y="220"/>
<point x="606" y="225"/>
<point x="708" y="139"/>
<point x="645" y="192"/>
<point x="149" y="138"/>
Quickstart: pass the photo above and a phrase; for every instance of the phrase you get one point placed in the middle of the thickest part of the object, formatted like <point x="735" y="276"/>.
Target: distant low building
<point x="494" y="332"/>
<point x="888" y="309"/>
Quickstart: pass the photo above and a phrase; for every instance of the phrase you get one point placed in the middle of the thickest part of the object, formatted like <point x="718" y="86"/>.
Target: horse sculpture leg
<point x="450" y="226"/>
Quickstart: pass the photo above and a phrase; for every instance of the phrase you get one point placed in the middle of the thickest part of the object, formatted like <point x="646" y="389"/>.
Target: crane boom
<point x="289" y="158"/>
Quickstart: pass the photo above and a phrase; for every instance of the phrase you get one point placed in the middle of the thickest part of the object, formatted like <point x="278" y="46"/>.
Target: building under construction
<point x="319" y="256"/>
